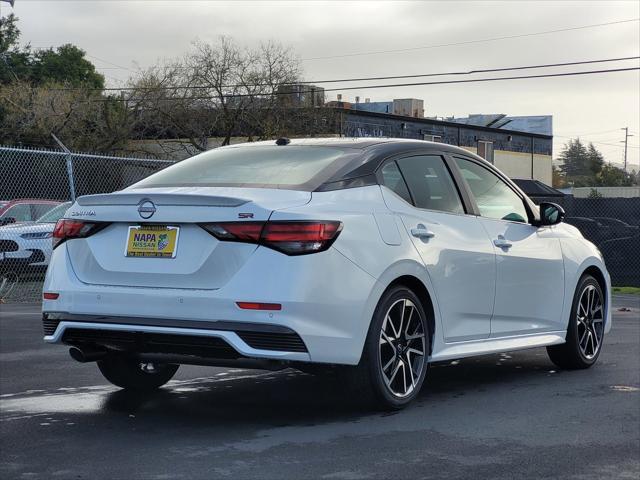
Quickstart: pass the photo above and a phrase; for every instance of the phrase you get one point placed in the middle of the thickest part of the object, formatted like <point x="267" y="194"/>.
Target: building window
<point x="485" y="150"/>
<point x="432" y="138"/>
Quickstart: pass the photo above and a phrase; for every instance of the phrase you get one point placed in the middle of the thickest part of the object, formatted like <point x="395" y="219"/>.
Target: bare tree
<point x="83" y="118"/>
<point x="219" y="90"/>
<point x="175" y="109"/>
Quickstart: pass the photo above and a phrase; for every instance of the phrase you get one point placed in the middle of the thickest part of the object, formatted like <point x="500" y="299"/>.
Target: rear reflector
<point x="50" y="296"/>
<point x="259" y="306"/>
<point x="289" y="237"/>
<point x="66" y="229"/>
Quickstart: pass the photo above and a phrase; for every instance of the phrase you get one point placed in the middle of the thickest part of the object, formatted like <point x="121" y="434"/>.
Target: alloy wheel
<point x="402" y="347"/>
<point x="590" y="321"/>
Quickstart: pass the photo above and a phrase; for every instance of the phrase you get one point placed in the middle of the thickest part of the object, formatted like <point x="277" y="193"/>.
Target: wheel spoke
<point x="416" y="351"/>
<point x="415" y="336"/>
<point x="585" y="312"/>
<point x="384" y="339"/>
<point x="393" y="375"/>
<point x="411" y="309"/>
<point x="582" y="338"/>
<point x="389" y="321"/>
<point x="389" y="363"/>
<point x="594" y="336"/>
<point x="404" y="306"/>
<point x="410" y="365"/>
<point x="404" y="376"/>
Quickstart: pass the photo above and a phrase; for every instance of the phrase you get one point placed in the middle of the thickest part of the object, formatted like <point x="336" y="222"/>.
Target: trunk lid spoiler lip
<point x="166" y="199"/>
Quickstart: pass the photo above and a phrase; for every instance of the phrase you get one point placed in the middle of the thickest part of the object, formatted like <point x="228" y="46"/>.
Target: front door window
<point x="494" y="197"/>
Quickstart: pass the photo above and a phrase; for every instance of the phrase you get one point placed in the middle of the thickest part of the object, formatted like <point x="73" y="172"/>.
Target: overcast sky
<point x="134" y="34"/>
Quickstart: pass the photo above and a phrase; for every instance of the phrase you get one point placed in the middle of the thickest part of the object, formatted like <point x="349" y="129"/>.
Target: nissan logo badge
<point x="146" y="208"/>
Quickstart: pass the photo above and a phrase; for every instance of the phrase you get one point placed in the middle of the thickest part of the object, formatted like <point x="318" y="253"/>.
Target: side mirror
<point x="551" y="213"/>
<point x="7" y="220"/>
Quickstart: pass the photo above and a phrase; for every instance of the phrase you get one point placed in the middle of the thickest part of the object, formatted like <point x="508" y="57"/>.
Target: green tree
<point x="594" y="193"/>
<point x="575" y="159"/>
<point x="580" y="164"/>
<point x="15" y="62"/>
<point x="611" y="176"/>
<point x="9" y="33"/>
<point x="558" y="179"/>
<point x="65" y="65"/>
<point x="595" y="159"/>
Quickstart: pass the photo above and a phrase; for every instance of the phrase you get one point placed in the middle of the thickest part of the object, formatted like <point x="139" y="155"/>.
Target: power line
<point x="594" y="142"/>
<point x="424" y="47"/>
<point x="364" y="79"/>
<point x="115" y="65"/>
<point x="443" y="82"/>
<point x="592" y="133"/>
<point x="468" y="42"/>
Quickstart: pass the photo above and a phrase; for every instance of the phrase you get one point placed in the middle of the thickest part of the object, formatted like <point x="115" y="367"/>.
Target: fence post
<point x="72" y="186"/>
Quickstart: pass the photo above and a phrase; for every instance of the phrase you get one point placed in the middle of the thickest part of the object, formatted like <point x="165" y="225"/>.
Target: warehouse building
<point x="521" y="147"/>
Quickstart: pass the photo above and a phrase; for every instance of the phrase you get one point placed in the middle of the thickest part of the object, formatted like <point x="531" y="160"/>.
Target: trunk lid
<point x="200" y="262"/>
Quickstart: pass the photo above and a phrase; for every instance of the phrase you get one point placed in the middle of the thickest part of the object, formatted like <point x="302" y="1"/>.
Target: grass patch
<point x="627" y="290"/>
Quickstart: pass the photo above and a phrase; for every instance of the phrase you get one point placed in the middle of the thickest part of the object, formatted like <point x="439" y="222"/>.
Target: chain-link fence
<point x="36" y="188"/>
<point x="613" y="225"/>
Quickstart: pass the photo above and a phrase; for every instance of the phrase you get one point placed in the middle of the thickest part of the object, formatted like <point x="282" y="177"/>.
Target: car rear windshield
<point x="287" y="167"/>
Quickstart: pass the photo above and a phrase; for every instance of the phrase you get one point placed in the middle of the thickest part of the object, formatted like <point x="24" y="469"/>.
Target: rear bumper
<point x="138" y="335"/>
<point x="326" y="300"/>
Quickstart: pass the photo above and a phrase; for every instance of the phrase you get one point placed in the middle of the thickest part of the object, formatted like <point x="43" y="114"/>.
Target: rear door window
<point x="392" y="178"/>
<point x="430" y="183"/>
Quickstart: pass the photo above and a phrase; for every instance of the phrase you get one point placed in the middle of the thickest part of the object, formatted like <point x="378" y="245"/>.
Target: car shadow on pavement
<point x="290" y="397"/>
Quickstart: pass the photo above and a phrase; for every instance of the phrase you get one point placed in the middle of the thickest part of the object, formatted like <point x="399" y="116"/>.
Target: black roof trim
<point x="364" y="166"/>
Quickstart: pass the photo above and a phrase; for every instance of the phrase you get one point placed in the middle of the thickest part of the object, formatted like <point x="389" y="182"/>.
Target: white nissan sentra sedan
<point x="371" y="257"/>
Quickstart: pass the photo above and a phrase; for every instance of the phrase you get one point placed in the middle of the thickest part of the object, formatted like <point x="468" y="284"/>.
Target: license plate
<point x="153" y="241"/>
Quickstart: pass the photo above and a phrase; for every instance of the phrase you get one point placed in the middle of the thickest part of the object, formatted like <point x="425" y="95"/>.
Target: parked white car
<point x="30" y="243"/>
<point x="372" y="257"/>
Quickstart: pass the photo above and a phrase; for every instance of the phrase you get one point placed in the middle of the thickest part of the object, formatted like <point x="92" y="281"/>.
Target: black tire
<point x="134" y="375"/>
<point x="570" y="355"/>
<point x="368" y="379"/>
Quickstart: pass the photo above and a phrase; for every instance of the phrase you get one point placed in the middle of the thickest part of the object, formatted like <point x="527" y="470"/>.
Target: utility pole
<point x="626" y="141"/>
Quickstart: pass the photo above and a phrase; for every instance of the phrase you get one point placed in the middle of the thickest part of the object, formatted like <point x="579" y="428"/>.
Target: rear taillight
<point x="289" y="237"/>
<point x="66" y="229"/>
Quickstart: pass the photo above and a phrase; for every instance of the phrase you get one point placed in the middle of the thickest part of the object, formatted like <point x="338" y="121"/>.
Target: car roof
<point x="374" y="149"/>
<point x="29" y="200"/>
<point x="344" y="142"/>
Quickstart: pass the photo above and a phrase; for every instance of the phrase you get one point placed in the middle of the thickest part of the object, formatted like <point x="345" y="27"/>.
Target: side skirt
<point x="497" y="345"/>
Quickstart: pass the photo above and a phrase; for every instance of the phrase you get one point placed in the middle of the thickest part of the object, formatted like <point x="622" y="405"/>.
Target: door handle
<point x="422" y="232"/>
<point x="502" y="242"/>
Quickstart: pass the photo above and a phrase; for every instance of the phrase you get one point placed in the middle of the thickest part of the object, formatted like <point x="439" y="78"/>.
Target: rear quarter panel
<point x="372" y="239"/>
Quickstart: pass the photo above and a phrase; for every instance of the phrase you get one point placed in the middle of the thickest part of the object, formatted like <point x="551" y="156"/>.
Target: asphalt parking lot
<point x="499" y="416"/>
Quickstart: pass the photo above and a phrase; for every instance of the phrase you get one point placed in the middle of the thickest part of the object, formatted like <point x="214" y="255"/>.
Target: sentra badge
<point x="83" y="213"/>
